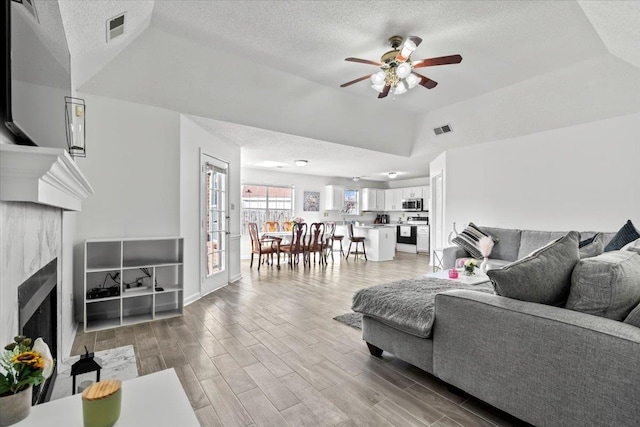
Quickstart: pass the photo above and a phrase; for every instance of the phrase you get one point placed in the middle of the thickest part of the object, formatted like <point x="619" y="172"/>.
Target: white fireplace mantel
<point x="47" y="176"/>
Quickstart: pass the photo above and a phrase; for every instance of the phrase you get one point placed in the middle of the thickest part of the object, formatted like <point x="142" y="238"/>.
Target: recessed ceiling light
<point x="300" y="163"/>
<point x="392" y="174"/>
<point x="356" y="178"/>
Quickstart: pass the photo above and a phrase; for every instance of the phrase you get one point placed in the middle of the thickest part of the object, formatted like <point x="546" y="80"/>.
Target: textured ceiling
<point x="271" y="70"/>
<point x="264" y="149"/>
<point x="618" y="24"/>
<point x="85" y="24"/>
<point x="501" y="42"/>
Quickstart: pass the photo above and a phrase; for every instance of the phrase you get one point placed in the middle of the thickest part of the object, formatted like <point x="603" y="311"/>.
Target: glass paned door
<point x="215" y="223"/>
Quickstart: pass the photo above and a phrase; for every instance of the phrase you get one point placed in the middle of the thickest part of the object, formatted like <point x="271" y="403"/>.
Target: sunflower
<point x="29" y="358"/>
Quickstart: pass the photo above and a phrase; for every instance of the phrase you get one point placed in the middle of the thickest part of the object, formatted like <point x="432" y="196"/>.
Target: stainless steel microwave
<point x="412" y="205"/>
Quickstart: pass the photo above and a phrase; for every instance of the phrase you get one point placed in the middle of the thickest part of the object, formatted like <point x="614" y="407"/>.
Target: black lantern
<point x="87" y="363"/>
<point x="74" y="110"/>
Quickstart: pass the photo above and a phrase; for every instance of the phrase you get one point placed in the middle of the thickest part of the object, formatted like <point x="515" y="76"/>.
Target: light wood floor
<point x="265" y="351"/>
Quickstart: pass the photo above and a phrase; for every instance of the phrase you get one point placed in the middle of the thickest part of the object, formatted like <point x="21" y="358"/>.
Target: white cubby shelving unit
<point x="139" y="267"/>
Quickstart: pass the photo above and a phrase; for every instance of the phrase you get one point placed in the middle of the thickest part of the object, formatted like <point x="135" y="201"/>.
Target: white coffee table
<point x="155" y="400"/>
<point x="476" y="279"/>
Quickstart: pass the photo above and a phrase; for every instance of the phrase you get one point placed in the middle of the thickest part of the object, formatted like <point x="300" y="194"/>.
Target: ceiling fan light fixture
<point x="403" y="70"/>
<point x="378" y="87"/>
<point x="408" y="48"/>
<point x="392" y="174"/>
<point x="412" y="80"/>
<point x="400" y="89"/>
<point x="300" y="163"/>
<point x="378" y="78"/>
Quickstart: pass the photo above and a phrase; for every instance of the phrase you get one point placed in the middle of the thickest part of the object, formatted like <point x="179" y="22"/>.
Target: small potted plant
<point x="470" y="266"/>
<point x="22" y="367"/>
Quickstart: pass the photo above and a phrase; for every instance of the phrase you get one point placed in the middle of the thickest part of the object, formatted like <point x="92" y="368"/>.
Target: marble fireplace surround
<point x="37" y="185"/>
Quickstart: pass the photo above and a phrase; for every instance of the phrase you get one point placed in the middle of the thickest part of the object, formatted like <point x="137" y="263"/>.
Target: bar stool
<point x="339" y="238"/>
<point x="356" y="240"/>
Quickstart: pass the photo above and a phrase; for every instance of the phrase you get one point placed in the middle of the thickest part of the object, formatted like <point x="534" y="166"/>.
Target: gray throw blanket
<point x="408" y="305"/>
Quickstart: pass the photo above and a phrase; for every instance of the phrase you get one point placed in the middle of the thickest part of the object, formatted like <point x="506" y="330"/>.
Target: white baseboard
<point x="235" y="278"/>
<point x="192" y="298"/>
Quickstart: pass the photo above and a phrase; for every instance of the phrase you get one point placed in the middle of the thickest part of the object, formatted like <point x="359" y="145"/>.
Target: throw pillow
<point x="634" y="317"/>
<point x="544" y="276"/>
<point x="591" y="247"/>
<point x="607" y="285"/>
<point x="626" y="234"/>
<point x="469" y="238"/>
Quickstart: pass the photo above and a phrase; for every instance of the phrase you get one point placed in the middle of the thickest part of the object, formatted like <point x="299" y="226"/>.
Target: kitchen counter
<point x="380" y="240"/>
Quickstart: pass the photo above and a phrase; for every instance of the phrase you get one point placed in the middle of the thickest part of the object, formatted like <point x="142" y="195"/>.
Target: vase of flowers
<point x="297" y="220"/>
<point x="470" y="266"/>
<point x="22" y="367"/>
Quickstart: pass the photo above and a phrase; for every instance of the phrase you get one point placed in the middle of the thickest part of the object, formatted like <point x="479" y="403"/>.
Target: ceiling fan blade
<point x="363" y="61"/>
<point x="417" y="40"/>
<point x="384" y="92"/>
<point x="442" y="60"/>
<point x="356" y="81"/>
<point x="426" y="81"/>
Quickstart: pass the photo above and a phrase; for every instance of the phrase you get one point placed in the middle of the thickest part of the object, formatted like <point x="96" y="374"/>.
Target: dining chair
<point x="296" y="245"/>
<point x="330" y="231"/>
<point x="270" y="226"/>
<point x="287" y="226"/>
<point x="356" y="240"/>
<point x="266" y="246"/>
<point x="315" y="244"/>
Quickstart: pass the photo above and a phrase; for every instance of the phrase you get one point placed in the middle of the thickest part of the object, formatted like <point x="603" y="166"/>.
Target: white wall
<point x="193" y="140"/>
<point x="595" y="89"/>
<point x="583" y="177"/>
<point x="133" y="164"/>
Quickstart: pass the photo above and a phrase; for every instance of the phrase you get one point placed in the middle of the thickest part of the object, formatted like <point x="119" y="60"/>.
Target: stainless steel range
<point x="422" y="232"/>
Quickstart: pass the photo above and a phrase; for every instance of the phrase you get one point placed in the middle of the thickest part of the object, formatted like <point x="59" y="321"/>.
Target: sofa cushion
<point x="607" y="285"/>
<point x="533" y="240"/>
<point x="592" y="246"/>
<point x="634" y="317"/>
<point x="626" y="234"/>
<point x="508" y="243"/>
<point x="543" y="277"/>
<point x="469" y="238"/>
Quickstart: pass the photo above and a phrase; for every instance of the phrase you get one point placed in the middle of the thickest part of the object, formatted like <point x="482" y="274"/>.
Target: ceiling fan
<point x="397" y="68"/>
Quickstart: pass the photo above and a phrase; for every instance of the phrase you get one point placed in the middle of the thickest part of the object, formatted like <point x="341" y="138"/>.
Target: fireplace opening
<point x="38" y="317"/>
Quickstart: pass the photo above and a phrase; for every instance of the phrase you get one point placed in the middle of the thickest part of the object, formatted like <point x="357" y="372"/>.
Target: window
<point x="351" y="202"/>
<point x="261" y="203"/>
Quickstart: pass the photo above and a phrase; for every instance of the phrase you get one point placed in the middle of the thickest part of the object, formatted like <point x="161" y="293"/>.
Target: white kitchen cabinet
<point x="412" y="193"/>
<point x="372" y="200"/>
<point x="368" y="199"/>
<point x="393" y="199"/>
<point x="380" y="197"/>
<point x="334" y="197"/>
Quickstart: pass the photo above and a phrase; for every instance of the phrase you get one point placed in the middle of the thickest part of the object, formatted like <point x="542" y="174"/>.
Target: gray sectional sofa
<point x="512" y="245"/>
<point x="546" y="365"/>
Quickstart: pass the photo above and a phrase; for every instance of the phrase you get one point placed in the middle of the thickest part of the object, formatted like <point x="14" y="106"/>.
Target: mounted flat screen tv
<point x="37" y="72"/>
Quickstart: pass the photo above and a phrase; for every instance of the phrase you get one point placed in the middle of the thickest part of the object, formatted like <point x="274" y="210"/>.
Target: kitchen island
<point x="380" y="240"/>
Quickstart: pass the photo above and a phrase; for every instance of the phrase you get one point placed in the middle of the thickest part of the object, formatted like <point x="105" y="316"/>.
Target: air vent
<point x="115" y="27"/>
<point x="30" y="7"/>
<point x="442" y="129"/>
